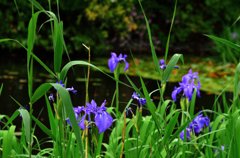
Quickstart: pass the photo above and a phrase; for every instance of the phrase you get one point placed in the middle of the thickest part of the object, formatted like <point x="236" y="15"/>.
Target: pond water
<point x="101" y="87"/>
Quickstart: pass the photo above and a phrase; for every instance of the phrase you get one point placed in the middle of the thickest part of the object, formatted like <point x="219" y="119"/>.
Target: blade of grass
<point x="169" y="34"/>
<point x="155" y="59"/>
<point x="170" y="66"/>
<point x="235" y="46"/>
<point x="1" y="89"/>
<point x="72" y="63"/>
<point x="7" y="142"/>
<point x="58" y="48"/>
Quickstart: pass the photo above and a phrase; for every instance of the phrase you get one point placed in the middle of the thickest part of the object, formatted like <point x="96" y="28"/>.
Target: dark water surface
<point x="101" y="87"/>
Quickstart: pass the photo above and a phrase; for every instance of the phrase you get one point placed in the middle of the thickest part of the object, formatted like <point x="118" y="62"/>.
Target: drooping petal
<point x="113" y="61"/>
<point x="68" y="121"/>
<point x="103" y="121"/>
<point x="126" y="65"/>
<point x="81" y="123"/>
<point x="175" y="92"/>
<point x="72" y="89"/>
<point x="188" y="131"/>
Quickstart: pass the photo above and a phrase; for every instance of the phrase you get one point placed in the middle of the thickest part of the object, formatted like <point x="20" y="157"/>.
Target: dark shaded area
<point x="113" y="25"/>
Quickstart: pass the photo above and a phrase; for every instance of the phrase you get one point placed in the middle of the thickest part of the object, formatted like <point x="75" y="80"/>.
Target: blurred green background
<point x="117" y="25"/>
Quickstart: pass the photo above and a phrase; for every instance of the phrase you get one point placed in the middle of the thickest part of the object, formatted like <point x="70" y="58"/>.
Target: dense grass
<point x="167" y="132"/>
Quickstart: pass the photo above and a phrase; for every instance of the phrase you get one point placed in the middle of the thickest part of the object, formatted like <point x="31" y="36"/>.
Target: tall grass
<point x="134" y="135"/>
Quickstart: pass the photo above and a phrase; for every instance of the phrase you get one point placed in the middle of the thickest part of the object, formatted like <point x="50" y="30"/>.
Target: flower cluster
<point x="103" y="119"/>
<point x="196" y="125"/>
<point x="164" y="66"/>
<point x="114" y="60"/>
<point x="187" y="86"/>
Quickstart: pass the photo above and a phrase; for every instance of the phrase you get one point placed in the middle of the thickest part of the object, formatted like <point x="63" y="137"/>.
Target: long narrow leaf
<point x="155" y="59"/>
<point x="169" y="34"/>
<point x="170" y="66"/>
<point x="1" y="89"/>
<point x="235" y="46"/>
<point x="72" y="63"/>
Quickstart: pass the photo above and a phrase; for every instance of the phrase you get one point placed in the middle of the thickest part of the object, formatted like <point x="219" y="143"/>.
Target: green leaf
<point x="155" y="59"/>
<point x="44" y="129"/>
<point x="30" y="43"/>
<point x="170" y="66"/>
<point x="192" y="104"/>
<point x="67" y="103"/>
<point x="1" y="89"/>
<point x="235" y="46"/>
<point x="170" y="128"/>
<point x="72" y="63"/>
<point x="36" y="4"/>
<point x="58" y="48"/>
<point x="7" y="142"/>
<point x="26" y="123"/>
<point x="40" y="91"/>
<point x="236" y="82"/>
<point x="50" y="115"/>
<point x="64" y="94"/>
<point x="237" y="131"/>
<point x="169" y="34"/>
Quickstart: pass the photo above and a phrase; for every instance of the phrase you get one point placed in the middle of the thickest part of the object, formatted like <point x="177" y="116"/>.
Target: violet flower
<point x="188" y="132"/>
<point x="72" y="89"/>
<point x="51" y="98"/>
<point x="141" y="101"/>
<point x="187" y="86"/>
<point x="199" y="122"/>
<point x="103" y="119"/>
<point x="114" y="60"/>
<point x="68" y="89"/>
<point x="196" y="125"/>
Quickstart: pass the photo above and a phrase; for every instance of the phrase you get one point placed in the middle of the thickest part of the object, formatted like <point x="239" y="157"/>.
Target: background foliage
<point x="108" y="24"/>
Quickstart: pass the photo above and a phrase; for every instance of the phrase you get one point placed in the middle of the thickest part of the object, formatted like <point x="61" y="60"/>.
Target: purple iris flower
<point x="196" y="125"/>
<point x="60" y="83"/>
<point x="68" y="89"/>
<point x="188" y="131"/>
<point x="51" y="98"/>
<point x="103" y="119"/>
<point x="129" y="109"/>
<point x="141" y="101"/>
<point x="114" y="60"/>
<point x="187" y="86"/>
<point x="68" y="121"/>
<point x="72" y="89"/>
<point x="164" y="66"/>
